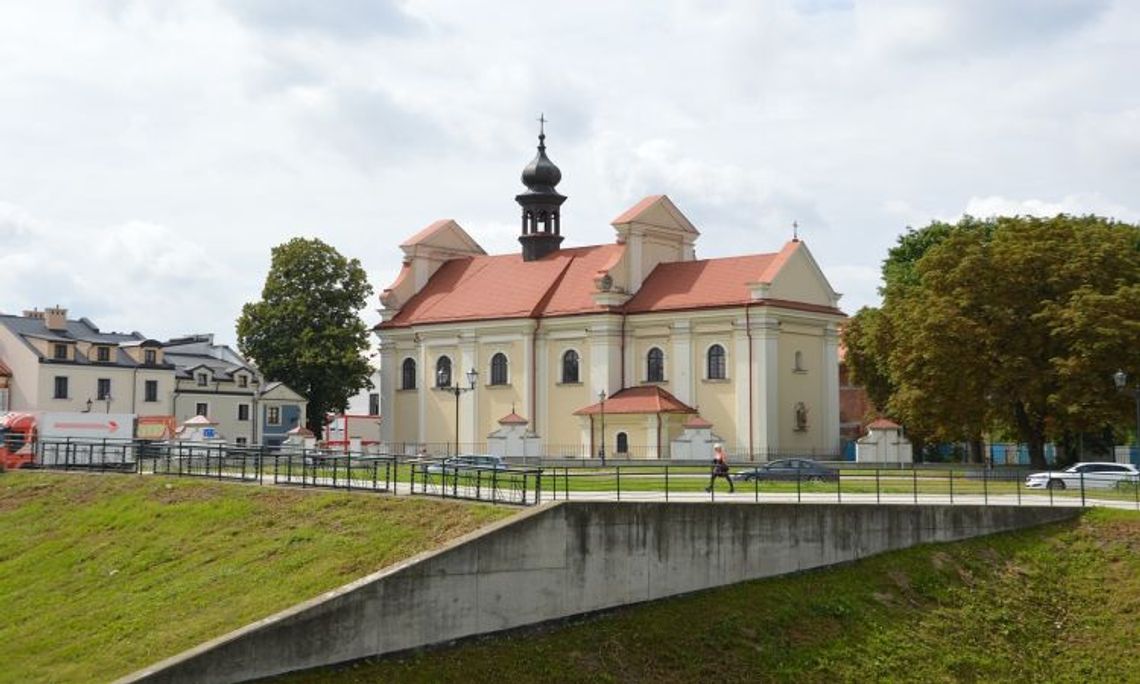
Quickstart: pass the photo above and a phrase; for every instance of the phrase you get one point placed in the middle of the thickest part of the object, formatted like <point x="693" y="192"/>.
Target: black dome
<point x="541" y="175"/>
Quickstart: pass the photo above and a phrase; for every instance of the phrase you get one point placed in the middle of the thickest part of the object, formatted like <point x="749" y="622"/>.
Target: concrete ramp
<point x="570" y="558"/>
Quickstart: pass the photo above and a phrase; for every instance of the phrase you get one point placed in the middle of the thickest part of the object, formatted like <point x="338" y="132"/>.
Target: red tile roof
<point x="697" y="423"/>
<point x="505" y="286"/>
<point x="631" y="213"/>
<point x="427" y="232"/>
<point x="513" y="418"/>
<point x="645" y="399"/>
<point x="883" y="424"/>
<point x="705" y="283"/>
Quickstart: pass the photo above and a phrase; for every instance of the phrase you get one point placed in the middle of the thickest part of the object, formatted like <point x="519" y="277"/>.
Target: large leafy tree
<point x="305" y="331"/>
<point x="1013" y="323"/>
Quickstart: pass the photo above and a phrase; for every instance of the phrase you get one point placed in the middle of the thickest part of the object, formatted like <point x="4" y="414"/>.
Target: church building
<point x="626" y="349"/>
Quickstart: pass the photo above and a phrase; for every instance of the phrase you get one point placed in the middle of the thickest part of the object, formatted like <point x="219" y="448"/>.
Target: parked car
<point x="789" y="469"/>
<point x="1095" y="475"/>
<point x="468" y="461"/>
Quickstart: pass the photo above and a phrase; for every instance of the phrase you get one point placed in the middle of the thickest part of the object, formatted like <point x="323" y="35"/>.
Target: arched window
<point x="570" y="366"/>
<point x="655" y="365"/>
<point x="716" y="363"/>
<point x="799" y="367"/>
<point x="499" y="369"/>
<point x="622" y="443"/>
<point x="443" y="372"/>
<point x="408" y="374"/>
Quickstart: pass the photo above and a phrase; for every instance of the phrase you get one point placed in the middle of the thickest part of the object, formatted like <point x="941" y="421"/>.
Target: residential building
<point x="214" y="381"/>
<point x="60" y="364"/>
<point x="747" y="342"/>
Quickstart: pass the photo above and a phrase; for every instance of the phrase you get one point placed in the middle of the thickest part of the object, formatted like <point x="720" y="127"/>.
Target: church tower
<point x="541" y="204"/>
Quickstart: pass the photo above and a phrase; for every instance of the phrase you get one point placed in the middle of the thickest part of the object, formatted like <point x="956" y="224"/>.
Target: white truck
<point x="84" y="439"/>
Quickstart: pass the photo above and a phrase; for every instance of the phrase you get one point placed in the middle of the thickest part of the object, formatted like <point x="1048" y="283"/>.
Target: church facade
<point x="637" y="335"/>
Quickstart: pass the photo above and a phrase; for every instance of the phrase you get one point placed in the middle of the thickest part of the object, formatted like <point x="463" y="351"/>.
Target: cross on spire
<point x="542" y="124"/>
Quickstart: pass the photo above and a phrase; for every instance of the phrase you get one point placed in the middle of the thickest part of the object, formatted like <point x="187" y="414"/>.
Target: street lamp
<point x="443" y="376"/>
<point x="1120" y="378"/>
<point x="602" y="448"/>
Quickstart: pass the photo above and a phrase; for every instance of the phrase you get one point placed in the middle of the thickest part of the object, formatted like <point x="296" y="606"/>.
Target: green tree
<point x="305" y="331"/>
<point x="1013" y="322"/>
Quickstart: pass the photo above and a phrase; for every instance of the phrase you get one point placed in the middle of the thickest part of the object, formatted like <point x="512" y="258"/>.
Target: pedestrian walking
<point x="720" y="469"/>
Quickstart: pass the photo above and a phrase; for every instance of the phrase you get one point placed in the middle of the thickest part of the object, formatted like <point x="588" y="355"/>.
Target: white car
<point x="1093" y="475"/>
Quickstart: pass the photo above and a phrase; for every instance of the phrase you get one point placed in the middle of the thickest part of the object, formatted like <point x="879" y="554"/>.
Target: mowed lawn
<point x="1054" y="604"/>
<point x="103" y="574"/>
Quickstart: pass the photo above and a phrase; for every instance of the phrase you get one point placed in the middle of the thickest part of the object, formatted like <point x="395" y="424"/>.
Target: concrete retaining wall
<point x="571" y="558"/>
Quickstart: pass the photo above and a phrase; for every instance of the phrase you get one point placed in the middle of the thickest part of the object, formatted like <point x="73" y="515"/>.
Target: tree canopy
<point x="1011" y="323"/>
<point x="305" y="331"/>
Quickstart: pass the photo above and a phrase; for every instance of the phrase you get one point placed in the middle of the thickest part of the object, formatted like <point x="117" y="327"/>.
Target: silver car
<point x="1089" y="475"/>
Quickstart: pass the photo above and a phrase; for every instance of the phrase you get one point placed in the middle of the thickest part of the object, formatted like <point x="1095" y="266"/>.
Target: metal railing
<point x="510" y="484"/>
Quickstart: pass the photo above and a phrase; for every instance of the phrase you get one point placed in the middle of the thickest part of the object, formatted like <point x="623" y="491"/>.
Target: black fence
<point x="497" y="484"/>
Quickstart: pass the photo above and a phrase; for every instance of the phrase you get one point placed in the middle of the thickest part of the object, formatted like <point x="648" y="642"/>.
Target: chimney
<point x="55" y="318"/>
<point x="34" y="313"/>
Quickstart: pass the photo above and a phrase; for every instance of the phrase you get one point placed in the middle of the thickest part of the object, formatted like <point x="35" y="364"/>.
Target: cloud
<point x="343" y="19"/>
<point x="996" y="205"/>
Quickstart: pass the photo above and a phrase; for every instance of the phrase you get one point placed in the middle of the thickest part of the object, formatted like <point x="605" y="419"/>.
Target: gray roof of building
<point x="82" y="330"/>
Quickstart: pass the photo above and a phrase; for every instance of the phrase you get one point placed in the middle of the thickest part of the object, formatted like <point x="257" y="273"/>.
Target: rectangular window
<point x="241" y="441"/>
<point x="59" y="352"/>
<point x="203" y="379"/>
<point x="151" y="390"/>
<point x="103" y="389"/>
<point x="374" y="404"/>
<point x="273" y="415"/>
<point x="103" y="354"/>
<point x="201" y="409"/>
<point x="60" y="387"/>
<point x="243" y="381"/>
<point x="243" y="411"/>
<point x="150" y="357"/>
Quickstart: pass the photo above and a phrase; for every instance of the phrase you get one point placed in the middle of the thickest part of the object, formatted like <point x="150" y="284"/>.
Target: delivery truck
<point x="52" y="438"/>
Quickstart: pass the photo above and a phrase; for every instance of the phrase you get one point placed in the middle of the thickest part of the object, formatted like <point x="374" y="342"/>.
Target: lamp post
<point x="454" y="388"/>
<point x="1120" y="379"/>
<point x="602" y="447"/>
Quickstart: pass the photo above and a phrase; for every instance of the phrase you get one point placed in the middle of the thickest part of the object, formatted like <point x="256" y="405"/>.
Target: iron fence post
<point x="618" y="470"/>
<point x="878" y="498"/>
<point x="838" y="487"/>
<point x="985" y="488"/>
<point x="914" y="482"/>
<point x="538" y="487"/>
<point x="1017" y="485"/>
<point x="494" y="485"/>
<point x="799" y="497"/>
<point x="951" y="475"/>
<point x="1082" y="489"/>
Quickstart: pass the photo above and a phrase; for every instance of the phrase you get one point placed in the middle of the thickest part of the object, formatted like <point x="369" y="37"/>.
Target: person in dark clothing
<point x="720" y="469"/>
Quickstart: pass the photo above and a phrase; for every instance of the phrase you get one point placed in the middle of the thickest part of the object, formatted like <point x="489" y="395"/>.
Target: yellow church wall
<point x="496" y="401"/>
<point x="644" y="340"/>
<point x="561" y="429"/>
<point x="799" y="281"/>
<point x="407" y="427"/>
<point x="800" y="385"/>
<point x="439" y="405"/>
<point x="715" y="400"/>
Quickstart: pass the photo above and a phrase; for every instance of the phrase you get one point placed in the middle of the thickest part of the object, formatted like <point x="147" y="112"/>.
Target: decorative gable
<point x="424" y="253"/>
<point x="655" y="232"/>
<point x="794" y="275"/>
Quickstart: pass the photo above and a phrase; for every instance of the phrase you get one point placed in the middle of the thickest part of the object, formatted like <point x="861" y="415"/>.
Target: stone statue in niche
<point x="801" y="417"/>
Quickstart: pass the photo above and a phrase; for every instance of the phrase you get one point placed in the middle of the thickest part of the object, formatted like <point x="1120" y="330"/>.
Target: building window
<point x="243" y="411"/>
<point x="103" y="354"/>
<point x="655" y="365"/>
<point x="716" y="362"/>
<point x="150" y="357"/>
<point x="150" y="390"/>
<point x="374" y="404"/>
<point x="201" y="409"/>
<point x="443" y="372"/>
<point x="60" y="387"/>
<point x="622" y="443"/>
<point x="243" y="381"/>
<point x="241" y="441"/>
<point x="203" y="379"/>
<point x="570" y="366"/>
<point x="499" y="369"/>
<point x="408" y="374"/>
<point x="103" y="389"/>
<point x="59" y="352"/>
<point x="799" y="361"/>
<point x="273" y="415"/>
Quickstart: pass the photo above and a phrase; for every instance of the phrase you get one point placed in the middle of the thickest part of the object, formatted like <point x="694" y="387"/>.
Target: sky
<point x="152" y="153"/>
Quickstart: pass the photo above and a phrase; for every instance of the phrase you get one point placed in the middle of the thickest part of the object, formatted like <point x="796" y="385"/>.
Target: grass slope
<point x="1058" y="603"/>
<point x="103" y="574"/>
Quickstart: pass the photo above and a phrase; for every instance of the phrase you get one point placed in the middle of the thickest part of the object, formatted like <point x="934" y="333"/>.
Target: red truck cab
<point x="17" y="439"/>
